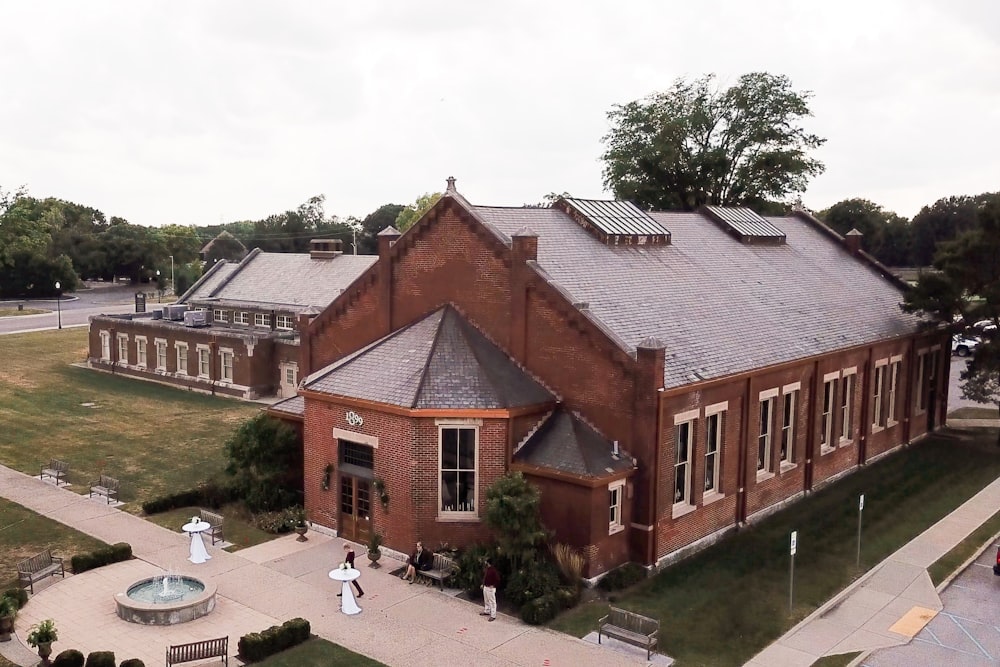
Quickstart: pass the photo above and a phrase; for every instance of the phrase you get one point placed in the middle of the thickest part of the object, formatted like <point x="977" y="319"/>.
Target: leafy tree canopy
<point x="942" y="221"/>
<point x="514" y="516"/>
<point x="265" y="463"/>
<point x="410" y="214"/>
<point x="697" y="144"/>
<point x="382" y="217"/>
<point x="885" y="235"/>
<point x="965" y="297"/>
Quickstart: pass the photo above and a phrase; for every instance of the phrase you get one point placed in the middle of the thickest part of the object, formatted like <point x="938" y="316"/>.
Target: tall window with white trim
<point x="226" y="363"/>
<point x="713" y="436"/>
<point x="182" y="358"/>
<point x="847" y="409"/>
<point x="105" y="346"/>
<point x="789" y="407"/>
<point x="878" y="388"/>
<point x="764" y="432"/>
<point x="893" y="380"/>
<point x="615" y="523"/>
<point x="204" y="362"/>
<point x="826" y="420"/>
<point x="922" y="384"/>
<point x="161" y="355"/>
<point x="682" y="463"/>
<point x="123" y="348"/>
<point x="458" y="469"/>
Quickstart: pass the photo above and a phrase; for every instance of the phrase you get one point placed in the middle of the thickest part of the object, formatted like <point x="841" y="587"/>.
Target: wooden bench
<point x="105" y="486"/>
<point x="631" y="628"/>
<point x="216" y="521"/>
<point x="57" y="470"/>
<point x="442" y="568"/>
<point x="203" y="650"/>
<point x="38" y="567"/>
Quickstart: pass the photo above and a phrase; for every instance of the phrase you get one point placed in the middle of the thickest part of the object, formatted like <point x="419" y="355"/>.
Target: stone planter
<point x="373" y="556"/>
<point x="301" y="530"/>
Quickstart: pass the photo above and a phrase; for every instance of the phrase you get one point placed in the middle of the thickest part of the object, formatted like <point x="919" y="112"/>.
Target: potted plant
<point x="8" y="612"/>
<point x="299" y="517"/>
<point x="41" y="636"/>
<point x="374" y="548"/>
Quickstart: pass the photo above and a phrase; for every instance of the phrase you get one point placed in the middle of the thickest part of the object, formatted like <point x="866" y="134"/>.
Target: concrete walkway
<point x="267" y="585"/>
<point x="889" y="604"/>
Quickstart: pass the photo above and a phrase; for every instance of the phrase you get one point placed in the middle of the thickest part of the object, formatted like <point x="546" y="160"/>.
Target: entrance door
<point x="289" y="380"/>
<point x="355" y="508"/>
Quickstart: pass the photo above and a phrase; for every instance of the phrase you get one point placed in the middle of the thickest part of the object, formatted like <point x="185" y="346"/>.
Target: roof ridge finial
<point x="451" y="185"/>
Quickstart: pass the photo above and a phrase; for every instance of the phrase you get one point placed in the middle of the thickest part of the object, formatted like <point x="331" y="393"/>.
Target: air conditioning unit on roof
<point x="196" y="318"/>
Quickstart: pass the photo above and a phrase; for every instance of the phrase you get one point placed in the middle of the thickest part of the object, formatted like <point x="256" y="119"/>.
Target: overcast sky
<point x="201" y="112"/>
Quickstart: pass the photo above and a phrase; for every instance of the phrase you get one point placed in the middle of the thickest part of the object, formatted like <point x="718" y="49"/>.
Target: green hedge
<point x="19" y="594"/>
<point x="256" y="646"/>
<point x="68" y="658"/>
<point x="540" y="610"/>
<point x="208" y="495"/>
<point x="622" y="577"/>
<point x="132" y="662"/>
<point x="104" y="556"/>
<point x="101" y="659"/>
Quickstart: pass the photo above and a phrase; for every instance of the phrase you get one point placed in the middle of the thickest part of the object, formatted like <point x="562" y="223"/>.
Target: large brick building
<point x="661" y="377"/>
<point x="236" y="331"/>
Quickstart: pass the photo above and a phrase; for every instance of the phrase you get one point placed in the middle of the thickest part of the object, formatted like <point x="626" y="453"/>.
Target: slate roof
<point x="440" y="361"/>
<point x="566" y="443"/>
<point x="720" y="306"/>
<point x="292" y="281"/>
<point x="296" y="405"/>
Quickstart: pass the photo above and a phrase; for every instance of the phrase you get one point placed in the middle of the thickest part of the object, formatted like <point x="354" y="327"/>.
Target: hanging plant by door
<point x="383" y="495"/>
<point x="325" y="483"/>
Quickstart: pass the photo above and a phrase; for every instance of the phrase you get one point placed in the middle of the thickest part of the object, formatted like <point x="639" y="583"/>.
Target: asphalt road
<point x="965" y="633"/>
<point x="73" y="310"/>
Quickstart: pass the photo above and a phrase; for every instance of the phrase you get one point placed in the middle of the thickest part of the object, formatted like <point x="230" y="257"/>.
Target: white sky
<point x="200" y="112"/>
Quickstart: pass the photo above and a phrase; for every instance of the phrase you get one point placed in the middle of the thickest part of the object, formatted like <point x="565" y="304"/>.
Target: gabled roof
<point x="440" y="361"/>
<point x="566" y="443"/>
<point x="720" y="307"/>
<point x="294" y="406"/>
<point x="291" y="281"/>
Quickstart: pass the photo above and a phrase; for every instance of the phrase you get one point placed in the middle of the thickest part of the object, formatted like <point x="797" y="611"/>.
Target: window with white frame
<point x="788" y="413"/>
<point x="140" y="350"/>
<point x="847" y="406"/>
<point x="290" y="372"/>
<point x="765" y="428"/>
<point x="895" y="365"/>
<point x="241" y="317"/>
<point x="182" y="358"/>
<point x="922" y="385"/>
<point x="615" y="523"/>
<point x="123" y="348"/>
<point x="878" y="393"/>
<point x="220" y="315"/>
<point x="682" y="462"/>
<point x="458" y="445"/>
<point x="105" y="346"/>
<point x="204" y="361"/>
<point x="161" y="354"/>
<point x="226" y="364"/>
<point x="713" y="438"/>
<point x="285" y="322"/>
<point x="261" y="319"/>
<point x="826" y="419"/>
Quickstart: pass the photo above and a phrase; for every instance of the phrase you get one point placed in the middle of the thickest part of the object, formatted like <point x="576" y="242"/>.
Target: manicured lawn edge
<point x="950" y="565"/>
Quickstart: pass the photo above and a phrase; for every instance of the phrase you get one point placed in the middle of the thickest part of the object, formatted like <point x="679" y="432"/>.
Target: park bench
<point x="631" y="628"/>
<point x="105" y="486"/>
<point x="57" y="470"/>
<point x="203" y="650"/>
<point x="215" y="520"/>
<point x="38" y="567"/>
<point x="442" y="568"/>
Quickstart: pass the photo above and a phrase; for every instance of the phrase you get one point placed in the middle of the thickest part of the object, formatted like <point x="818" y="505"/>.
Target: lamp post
<point x="172" y="274"/>
<point x="59" y="303"/>
<point x="159" y="290"/>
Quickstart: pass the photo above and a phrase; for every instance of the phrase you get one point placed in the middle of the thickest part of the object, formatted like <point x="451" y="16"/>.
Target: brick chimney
<point x="853" y="241"/>
<point x="386" y="239"/>
<point x="524" y="248"/>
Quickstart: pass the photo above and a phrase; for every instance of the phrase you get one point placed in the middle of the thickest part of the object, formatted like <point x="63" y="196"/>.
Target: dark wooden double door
<point x="355" y="508"/>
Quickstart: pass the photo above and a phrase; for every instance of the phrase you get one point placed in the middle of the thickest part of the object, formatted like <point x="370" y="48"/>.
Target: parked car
<point x="963" y="346"/>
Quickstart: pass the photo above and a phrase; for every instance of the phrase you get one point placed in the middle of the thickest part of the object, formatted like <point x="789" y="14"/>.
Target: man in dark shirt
<point x="349" y="559"/>
<point x="491" y="580"/>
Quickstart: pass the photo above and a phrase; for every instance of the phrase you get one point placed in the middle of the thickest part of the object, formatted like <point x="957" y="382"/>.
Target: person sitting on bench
<point x="420" y="559"/>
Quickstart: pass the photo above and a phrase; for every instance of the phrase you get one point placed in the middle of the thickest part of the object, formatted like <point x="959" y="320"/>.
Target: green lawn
<point x="236" y="529"/>
<point x="951" y="561"/>
<point x="728" y="602"/>
<point x="318" y="653"/>
<point x="975" y="413"/>
<point x="14" y="312"/>
<point x="155" y="439"/>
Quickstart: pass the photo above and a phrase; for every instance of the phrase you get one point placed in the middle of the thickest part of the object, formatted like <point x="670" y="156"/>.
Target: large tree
<point x="382" y="217"/>
<point x="410" y="214"/>
<point x="698" y="144"/>
<point x="942" y="221"/>
<point x="964" y="296"/>
<point x="885" y="235"/>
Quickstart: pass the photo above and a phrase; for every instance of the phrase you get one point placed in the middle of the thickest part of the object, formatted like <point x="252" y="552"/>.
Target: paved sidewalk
<point x="267" y="585"/>
<point x="888" y="605"/>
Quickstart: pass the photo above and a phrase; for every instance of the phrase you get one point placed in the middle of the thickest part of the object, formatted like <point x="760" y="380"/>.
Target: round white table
<point x="199" y="554"/>
<point x="348" y="604"/>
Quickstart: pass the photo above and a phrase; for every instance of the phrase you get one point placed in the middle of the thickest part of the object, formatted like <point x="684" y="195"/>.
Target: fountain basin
<point x="151" y="602"/>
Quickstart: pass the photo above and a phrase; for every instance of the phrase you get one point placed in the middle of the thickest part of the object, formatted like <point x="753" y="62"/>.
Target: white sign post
<point x="791" y="568"/>
<point x="861" y="508"/>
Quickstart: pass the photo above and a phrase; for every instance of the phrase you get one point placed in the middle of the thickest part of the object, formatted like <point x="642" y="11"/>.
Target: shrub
<point x="622" y="577"/>
<point x="212" y="495"/>
<point x="281" y="521"/>
<point x="570" y="562"/>
<point x="101" y="659"/>
<point x="532" y="580"/>
<point x="567" y="597"/>
<point x="256" y="646"/>
<point x="19" y="594"/>
<point x="132" y="662"/>
<point x="68" y="658"/>
<point x="469" y="577"/>
<point x="540" y="610"/>
<point x="103" y="556"/>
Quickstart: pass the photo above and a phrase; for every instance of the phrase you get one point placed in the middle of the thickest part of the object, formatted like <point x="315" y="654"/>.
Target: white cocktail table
<point x="348" y="604"/>
<point x="199" y="554"/>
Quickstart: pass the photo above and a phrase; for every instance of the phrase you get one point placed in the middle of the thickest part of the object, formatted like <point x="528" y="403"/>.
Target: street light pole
<point x="172" y="274"/>
<point x="59" y="303"/>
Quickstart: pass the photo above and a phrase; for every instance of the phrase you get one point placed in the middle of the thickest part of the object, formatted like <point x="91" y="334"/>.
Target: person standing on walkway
<point x="491" y="579"/>
<point x="349" y="559"/>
